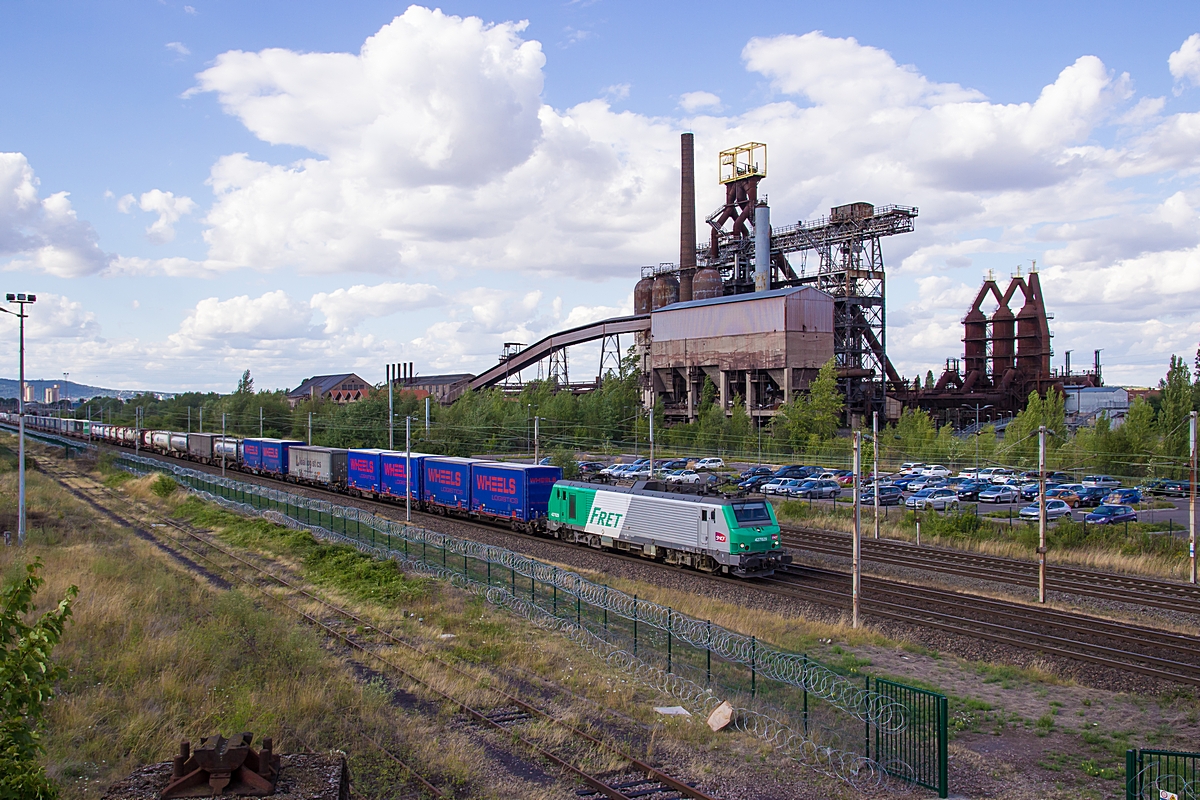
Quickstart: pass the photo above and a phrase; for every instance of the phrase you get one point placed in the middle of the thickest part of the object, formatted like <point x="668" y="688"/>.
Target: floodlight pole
<point x="391" y="413"/>
<point x="222" y="444"/>
<point x="856" y="556"/>
<point x="536" y="450"/>
<point x="652" y="443"/>
<point x="875" y="466"/>
<point x="1042" y="514"/>
<point x="1192" y="498"/>
<point x="21" y="300"/>
<point x="260" y="422"/>
<point x="408" y="469"/>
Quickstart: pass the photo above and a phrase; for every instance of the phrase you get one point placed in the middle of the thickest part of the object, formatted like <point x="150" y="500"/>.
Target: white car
<point x="710" y="463"/>
<point x="1002" y="475"/>
<point x="773" y="486"/>
<point x="936" y="471"/>
<point x="969" y="474"/>
<point x="911" y="468"/>
<point x="1103" y="481"/>
<point x="685" y="476"/>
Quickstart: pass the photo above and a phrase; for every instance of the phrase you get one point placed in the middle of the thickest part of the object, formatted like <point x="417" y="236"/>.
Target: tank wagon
<point x="733" y="535"/>
<point x="711" y="533"/>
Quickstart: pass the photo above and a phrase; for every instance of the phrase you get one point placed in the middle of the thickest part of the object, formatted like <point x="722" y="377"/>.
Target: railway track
<point x="638" y="780"/>
<point x="1114" y="645"/>
<point x="1131" y="589"/>
<point x="1139" y="650"/>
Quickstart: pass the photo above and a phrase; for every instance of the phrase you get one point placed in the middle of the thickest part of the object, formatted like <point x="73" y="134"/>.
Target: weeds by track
<point x="1132" y="589"/>
<point x="653" y="782"/>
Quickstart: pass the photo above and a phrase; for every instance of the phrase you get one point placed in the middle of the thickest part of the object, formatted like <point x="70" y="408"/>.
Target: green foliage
<point x="1176" y="407"/>
<point x="807" y="421"/>
<point x="564" y="459"/>
<point x="164" y="486"/>
<point x="27" y="678"/>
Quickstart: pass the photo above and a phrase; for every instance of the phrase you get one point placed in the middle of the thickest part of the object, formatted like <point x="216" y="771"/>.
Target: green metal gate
<point x="1161" y="775"/>
<point x="912" y="748"/>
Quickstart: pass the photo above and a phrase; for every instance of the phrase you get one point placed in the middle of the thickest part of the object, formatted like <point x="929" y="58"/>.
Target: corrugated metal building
<point x="762" y="346"/>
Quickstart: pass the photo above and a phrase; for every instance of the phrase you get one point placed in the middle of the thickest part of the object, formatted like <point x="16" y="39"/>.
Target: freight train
<point x="711" y="533"/>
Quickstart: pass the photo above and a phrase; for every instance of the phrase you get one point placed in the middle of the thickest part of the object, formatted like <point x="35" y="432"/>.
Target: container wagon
<point x="517" y="493"/>
<point x="393" y="472"/>
<point x="321" y="466"/>
<point x="446" y="483"/>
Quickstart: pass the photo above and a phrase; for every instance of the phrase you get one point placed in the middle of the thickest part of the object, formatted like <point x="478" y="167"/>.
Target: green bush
<point x="164" y="486"/>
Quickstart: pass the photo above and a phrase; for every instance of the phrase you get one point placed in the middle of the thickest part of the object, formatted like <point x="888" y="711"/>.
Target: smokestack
<point x="762" y="247"/>
<point x="687" y="215"/>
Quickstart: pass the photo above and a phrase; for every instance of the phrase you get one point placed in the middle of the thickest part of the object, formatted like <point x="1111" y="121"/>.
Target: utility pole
<point x="21" y="300"/>
<point x="652" y="443"/>
<point x="875" y="466"/>
<point x="260" y="422"/>
<point x="201" y="419"/>
<point x="391" y="413"/>
<point x="1192" y="501"/>
<point x="1042" y="514"/>
<point x="856" y="556"/>
<point x="426" y="417"/>
<point x="408" y="469"/>
<point x="310" y="441"/>
<point x="189" y="419"/>
<point x="535" y="440"/>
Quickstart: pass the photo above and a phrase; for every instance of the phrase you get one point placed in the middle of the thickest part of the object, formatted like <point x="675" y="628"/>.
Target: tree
<point x="27" y="678"/>
<point x="245" y="384"/>
<point x="806" y="421"/>
<point x="1176" y="406"/>
<point x="929" y="384"/>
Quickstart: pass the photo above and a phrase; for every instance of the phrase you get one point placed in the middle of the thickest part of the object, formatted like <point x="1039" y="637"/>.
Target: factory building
<point x="762" y="346"/>
<point x="341" y="389"/>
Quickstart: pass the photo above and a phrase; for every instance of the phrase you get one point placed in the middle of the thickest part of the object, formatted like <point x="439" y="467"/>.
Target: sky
<point x="195" y="189"/>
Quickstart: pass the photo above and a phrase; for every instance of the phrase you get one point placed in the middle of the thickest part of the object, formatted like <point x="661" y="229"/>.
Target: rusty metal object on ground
<point x="221" y="766"/>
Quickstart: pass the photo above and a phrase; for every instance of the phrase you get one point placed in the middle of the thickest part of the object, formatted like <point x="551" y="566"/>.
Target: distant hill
<point x="77" y="391"/>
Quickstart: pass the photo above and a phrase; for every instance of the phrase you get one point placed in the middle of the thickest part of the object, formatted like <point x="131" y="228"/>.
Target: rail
<point x="605" y="621"/>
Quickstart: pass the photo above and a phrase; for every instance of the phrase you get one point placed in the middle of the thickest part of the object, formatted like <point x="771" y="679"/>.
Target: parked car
<point x="911" y="468"/>
<point x="938" y="499"/>
<point x="1153" y="486"/>
<point x="1029" y="491"/>
<point x="775" y="485"/>
<point x="1090" y="496"/>
<point x="789" y="486"/>
<point x="1059" y="477"/>
<point x="754" y="482"/>
<point x="936" y="471"/>
<point x="755" y="471"/>
<point x="816" y="489"/>
<point x="1055" y="509"/>
<point x="888" y="495"/>
<point x="1107" y="515"/>
<point x="590" y="467"/>
<point x="970" y="490"/>
<point x="1067" y="496"/>
<point x="685" y="476"/>
<point x="793" y="471"/>
<point x="969" y="474"/>
<point x="1177" y="488"/>
<point x="986" y="473"/>
<point x="903" y="482"/>
<point x="676" y="463"/>
<point x="1106" y="481"/>
<point x="1002" y="475"/>
<point x="845" y="479"/>
<point x="1000" y="493"/>
<point x="710" y="463"/>
<point x="1122" y="497"/>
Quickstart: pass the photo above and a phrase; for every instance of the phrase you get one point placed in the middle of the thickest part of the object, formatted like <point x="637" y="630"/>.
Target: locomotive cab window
<point x="751" y="513"/>
<point x="571" y="507"/>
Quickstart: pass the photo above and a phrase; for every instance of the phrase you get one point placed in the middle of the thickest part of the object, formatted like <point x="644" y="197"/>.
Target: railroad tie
<point x="508" y="717"/>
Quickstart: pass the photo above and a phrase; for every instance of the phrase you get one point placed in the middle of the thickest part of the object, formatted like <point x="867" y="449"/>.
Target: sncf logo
<point x="605" y="519"/>
<point x="720" y="537"/>
<point x="496" y="484"/>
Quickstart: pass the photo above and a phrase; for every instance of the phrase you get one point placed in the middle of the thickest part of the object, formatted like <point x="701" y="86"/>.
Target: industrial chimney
<point x="762" y="247"/>
<point x="687" y="215"/>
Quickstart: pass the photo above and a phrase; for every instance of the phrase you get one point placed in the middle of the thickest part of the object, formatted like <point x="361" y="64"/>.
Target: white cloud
<point x="694" y="101"/>
<point x="346" y="309"/>
<point x="168" y="207"/>
<point x="1184" y="63"/>
<point x="189" y="10"/>
<point x="178" y="47"/>
<point x="43" y="233"/>
<point x="271" y="317"/>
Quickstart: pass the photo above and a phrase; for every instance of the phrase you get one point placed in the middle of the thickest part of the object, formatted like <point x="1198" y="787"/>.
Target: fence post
<point x="753" y="666"/>
<point x="635" y="624"/>
<point x="867" y="715"/>
<point x="489" y="573"/>
<point x="606" y="608"/>
<point x="669" y="632"/>
<point x="943" y="712"/>
<point x="804" y="683"/>
<point x="512" y="574"/>
<point x="708" y="655"/>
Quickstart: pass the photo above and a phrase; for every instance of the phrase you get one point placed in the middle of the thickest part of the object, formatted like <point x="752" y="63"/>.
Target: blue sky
<point x="474" y="206"/>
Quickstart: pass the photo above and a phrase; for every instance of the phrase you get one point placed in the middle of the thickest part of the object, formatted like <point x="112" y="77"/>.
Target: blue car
<point x="1107" y="515"/>
<point x="903" y="482"/>
<point x="1123" y="497"/>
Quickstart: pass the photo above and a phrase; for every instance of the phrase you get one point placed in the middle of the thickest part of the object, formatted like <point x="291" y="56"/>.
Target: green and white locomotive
<point x="707" y="532"/>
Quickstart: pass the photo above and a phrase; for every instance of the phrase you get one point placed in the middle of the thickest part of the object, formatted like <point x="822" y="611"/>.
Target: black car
<point x="1177" y="488"/>
<point x="675" y="463"/>
<point x="590" y="467"/>
<point x="755" y="471"/>
<point x="1091" y="496"/>
<point x="792" y="471"/>
<point x="754" y="481"/>
<point x="971" y="489"/>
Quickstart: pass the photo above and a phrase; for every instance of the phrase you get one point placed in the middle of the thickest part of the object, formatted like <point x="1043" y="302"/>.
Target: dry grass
<point x="1091" y="556"/>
